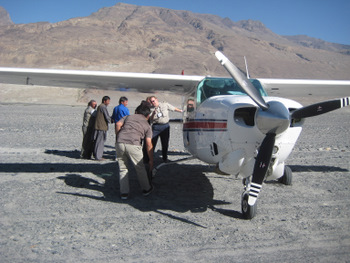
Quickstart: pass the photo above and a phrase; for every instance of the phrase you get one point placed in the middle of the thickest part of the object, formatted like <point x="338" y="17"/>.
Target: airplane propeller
<point x="272" y="119"/>
<point x="242" y="80"/>
<point x="320" y="108"/>
<point x="260" y="167"/>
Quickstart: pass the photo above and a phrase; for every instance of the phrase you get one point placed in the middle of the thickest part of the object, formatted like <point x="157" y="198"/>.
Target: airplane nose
<point x="273" y="120"/>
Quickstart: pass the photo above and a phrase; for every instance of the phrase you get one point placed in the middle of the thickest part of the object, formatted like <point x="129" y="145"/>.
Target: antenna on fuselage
<point x="246" y="67"/>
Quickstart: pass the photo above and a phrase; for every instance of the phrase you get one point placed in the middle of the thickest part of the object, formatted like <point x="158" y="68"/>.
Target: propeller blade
<point x="242" y="80"/>
<point x="320" y="108"/>
<point x="260" y="168"/>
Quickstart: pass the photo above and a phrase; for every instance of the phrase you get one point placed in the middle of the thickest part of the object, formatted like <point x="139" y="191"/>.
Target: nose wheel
<point x="248" y="211"/>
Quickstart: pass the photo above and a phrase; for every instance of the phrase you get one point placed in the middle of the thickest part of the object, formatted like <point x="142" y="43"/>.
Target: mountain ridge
<point x="150" y="39"/>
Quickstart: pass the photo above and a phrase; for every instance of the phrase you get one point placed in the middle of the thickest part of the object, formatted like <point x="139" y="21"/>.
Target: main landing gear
<point x="287" y="176"/>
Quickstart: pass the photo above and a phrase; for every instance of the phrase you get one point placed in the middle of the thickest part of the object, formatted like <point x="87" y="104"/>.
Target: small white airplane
<point x="229" y="122"/>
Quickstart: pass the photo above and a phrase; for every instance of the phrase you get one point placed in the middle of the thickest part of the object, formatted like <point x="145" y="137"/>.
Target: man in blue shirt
<point x="121" y="110"/>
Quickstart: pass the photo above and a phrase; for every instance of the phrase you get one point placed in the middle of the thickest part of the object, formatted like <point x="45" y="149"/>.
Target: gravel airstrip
<point x="56" y="207"/>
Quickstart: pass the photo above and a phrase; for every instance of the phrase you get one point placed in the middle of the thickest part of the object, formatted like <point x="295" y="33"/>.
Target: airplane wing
<point x="302" y="83"/>
<point x="290" y="88"/>
<point x="140" y="82"/>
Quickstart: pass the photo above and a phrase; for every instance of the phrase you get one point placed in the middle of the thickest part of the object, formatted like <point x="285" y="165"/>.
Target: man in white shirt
<point x="160" y="125"/>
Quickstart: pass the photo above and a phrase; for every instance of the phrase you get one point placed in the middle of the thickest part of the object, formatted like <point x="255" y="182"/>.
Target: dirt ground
<point x="56" y="207"/>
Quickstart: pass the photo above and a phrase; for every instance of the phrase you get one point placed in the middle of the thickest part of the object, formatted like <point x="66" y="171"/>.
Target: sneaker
<point x="124" y="196"/>
<point x="146" y="193"/>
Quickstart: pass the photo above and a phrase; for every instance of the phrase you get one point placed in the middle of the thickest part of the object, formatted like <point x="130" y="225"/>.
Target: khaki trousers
<point x="133" y="153"/>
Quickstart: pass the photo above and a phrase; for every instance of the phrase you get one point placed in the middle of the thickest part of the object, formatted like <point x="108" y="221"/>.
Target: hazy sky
<point x="325" y="19"/>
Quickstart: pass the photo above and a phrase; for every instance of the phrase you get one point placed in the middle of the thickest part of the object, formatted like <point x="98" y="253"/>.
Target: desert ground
<point x="56" y="207"/>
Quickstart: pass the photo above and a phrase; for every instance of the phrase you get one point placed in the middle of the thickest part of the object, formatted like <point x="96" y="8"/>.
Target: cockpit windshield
<point x="210" y="87"/>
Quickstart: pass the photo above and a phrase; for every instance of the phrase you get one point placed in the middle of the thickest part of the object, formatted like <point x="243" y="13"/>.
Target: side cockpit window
<point x="201" y="93"/>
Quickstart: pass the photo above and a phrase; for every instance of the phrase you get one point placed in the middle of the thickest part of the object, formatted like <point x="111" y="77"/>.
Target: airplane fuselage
<point x="222" y="130"/>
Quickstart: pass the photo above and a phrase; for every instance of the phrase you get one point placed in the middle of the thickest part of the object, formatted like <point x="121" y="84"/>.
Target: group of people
<point x="136" y="137"/>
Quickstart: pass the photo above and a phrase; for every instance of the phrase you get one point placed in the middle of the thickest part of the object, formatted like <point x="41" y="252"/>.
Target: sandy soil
<point x="56" y="207"/>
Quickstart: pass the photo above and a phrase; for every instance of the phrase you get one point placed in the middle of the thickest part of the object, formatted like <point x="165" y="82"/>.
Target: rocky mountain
<point x="149" y="39"/>
<point x="316" y="43"/>
<point x="5" y="19"/>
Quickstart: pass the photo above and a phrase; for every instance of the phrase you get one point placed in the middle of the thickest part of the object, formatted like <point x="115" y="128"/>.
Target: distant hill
<point x="5" y="19"/>
<point x="316" y="43"/>
<point x="150" y="39"/>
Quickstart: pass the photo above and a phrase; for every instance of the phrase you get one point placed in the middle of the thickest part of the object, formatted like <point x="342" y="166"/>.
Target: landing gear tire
<point x="248" y="211"/>
<point x="287" y="176"/>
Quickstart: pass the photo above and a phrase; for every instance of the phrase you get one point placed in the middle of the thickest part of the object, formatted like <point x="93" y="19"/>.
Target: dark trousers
<point x="162" y="131"/>
<point x="100" y="139"/>
<point x="88" y="143"/>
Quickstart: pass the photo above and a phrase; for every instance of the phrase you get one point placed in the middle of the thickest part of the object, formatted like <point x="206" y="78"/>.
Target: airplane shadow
<point x="70" y="154"/>
<point x="178" y="187"/>
<point x="109" y="154"/>
<point x="316" y="168"/>
<point x="311" y="168"/>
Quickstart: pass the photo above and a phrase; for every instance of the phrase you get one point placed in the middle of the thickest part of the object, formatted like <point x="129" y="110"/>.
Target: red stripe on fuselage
<point x="205" y="125"/>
